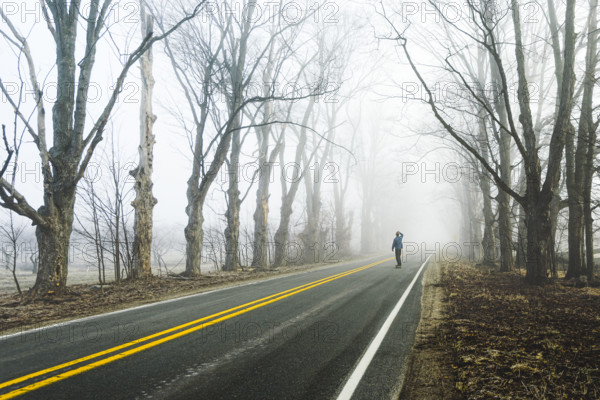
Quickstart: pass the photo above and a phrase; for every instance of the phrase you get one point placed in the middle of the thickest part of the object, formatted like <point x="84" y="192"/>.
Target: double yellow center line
<point x="159" y="337"/>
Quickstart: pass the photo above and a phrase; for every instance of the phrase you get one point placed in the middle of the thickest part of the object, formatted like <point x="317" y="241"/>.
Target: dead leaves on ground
<point x="512" y="341"/>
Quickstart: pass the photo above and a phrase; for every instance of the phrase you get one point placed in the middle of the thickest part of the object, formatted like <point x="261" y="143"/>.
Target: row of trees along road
<point x="519" y="105"/>
<point x="522" y="108"/>
<point x="215" y="58"/>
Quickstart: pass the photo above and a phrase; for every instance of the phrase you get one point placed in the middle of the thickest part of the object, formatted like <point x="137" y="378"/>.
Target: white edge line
<point x="91" y="317"/>
<point x="363" y="364"/>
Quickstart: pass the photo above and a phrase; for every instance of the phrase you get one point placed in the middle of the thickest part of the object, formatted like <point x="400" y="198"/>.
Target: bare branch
<point x="8" y="150"/>
<point x="95" y="135"/>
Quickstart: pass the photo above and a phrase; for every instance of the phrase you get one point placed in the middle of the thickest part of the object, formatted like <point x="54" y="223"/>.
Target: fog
<point x="332" y="78"/>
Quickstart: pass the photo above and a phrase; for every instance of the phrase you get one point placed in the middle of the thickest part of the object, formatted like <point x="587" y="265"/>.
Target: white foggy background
<point x="423" y="205"/>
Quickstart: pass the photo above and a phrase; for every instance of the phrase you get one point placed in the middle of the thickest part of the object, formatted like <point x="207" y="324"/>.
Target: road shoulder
<point x="429" y="373"/>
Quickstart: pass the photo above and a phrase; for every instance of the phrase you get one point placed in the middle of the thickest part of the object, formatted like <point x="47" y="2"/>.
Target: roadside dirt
<point x="85" y="299"/>
<point x="498" y="338"/>
<point x="429" y="372"/>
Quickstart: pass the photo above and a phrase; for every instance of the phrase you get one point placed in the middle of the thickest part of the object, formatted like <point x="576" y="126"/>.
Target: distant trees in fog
<point x="218" y="58"/>
<point x="522" y="100"/>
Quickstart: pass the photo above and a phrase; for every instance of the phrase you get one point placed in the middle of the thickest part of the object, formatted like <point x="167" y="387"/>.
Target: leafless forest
<point x="154" y="138"/>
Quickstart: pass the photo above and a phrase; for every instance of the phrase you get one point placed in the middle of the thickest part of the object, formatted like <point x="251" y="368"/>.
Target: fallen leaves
<point x="512" y="341"/>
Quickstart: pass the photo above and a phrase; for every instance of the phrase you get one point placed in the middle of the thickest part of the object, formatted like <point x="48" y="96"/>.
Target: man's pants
<point x="398" y="256"/>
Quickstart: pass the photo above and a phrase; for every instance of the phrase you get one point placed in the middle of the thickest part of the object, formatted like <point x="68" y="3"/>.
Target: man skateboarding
<point x="397" y="246"/>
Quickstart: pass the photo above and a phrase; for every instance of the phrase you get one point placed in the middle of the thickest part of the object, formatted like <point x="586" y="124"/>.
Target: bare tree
<point x="95" y="235"/>
<point x="266" y="159"/>
<point x="12" y="233"/>
<point x="211" y="61"/>
<point x="105" y="225"/>
<point x="579" y="162"/>
<point x="281" y="237"/>
<point x="341" y="182"/>
<point x="9" y="152"/>
<point x="196" y="57"/>
<point x="263" y="60"/>
<point x="144" y="201"/>
<point x="334" y="49"/>
<point x="161" y="245"/>
<point x="64" y="164"/>
<point x="370" y="171"/>
<point x="541" y="185"/>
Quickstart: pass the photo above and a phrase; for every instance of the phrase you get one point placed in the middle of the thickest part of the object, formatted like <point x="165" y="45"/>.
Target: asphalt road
<point x="295" y="337"/>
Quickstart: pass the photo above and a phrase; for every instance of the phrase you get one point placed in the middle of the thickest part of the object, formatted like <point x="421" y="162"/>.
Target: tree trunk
<point x="586" y="141"/>
<point x="194" y="235"/>
<point x="116" y="237"/>
<point x="260" y="254"/>
<point x="366" y="219"/>
<point x="261" y="213"/>
<point x="505" y="229"/>
<point x="281" y="237"/>
<point x="503" y="198"/>
<point x="554" y="210"/>
<point x="488" y="241"/>
<point x="288" y="195"/>
<point x="343" y="223"/>
<point x="197" y="189"/>
<point x="475" y="228"/>
<point x="521" y="260"/>
<point x="53" y="242"/>
<point x="144" y="201"/>
<point x="232" y="231"/>
<point x="589" y="237"/>
<point x="311" y="238"/>
<point x="540" y="242"/>
<point x="575" y="234"/>
<point x="489" y="238"/>
<point x="260" y="258"/>
<point x="282" y="234"/>
<point x="575" y="201"/>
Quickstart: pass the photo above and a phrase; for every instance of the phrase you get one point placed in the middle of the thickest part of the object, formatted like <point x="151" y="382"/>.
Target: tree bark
<point x="503" y="198"/>
<point x="261" y="214"/>
<point x="312" y="240"/>
<point x="540" y="243"/>
<point x="343" y="221"/>
<point x="505" y="229"/>
<point x="260" y="254"/>
<point x="591" y="127"/>
<point x="260" y="251"/>
<point x="310" y="236"/>
<point x="194" y="235"/>
<point x="232" y="231"/>
<point x="488" y="241"/>
<point x="575" y="201"/>
<point x="53" y="240"/>
<point x="580" y="164"/>
<point x="144" y="201"/>
<point x="282" y="234"/>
